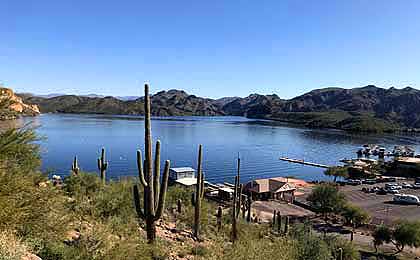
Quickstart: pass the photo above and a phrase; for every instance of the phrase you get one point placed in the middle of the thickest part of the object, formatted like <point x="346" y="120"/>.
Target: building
<point x="180" y="173"/>
<point x="407" y="162"/>
<point x="272" y="189"/>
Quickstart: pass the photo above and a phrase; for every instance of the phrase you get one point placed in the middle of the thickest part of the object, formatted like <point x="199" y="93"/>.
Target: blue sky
<point x="208" y="48"/>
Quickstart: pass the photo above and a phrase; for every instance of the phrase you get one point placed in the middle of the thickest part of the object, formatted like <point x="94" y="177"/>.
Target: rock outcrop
<point x="13" y="105"/>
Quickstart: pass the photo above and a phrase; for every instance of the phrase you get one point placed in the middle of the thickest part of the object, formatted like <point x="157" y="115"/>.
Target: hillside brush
<point x="154" y="192"/>
<point x="102" y="165"/>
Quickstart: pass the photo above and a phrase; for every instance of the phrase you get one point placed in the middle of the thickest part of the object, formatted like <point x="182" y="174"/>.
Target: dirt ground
<point x="264" y="210"/>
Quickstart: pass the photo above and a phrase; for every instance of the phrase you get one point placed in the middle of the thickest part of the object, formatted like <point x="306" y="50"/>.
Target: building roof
<point x="270" y="185"/>
<point x="183" y="169"/>
<point x="187" y="181"/>
<point x="408" y="160"/>
<point x="226" y="189"/>
<point x="296" y="182"/>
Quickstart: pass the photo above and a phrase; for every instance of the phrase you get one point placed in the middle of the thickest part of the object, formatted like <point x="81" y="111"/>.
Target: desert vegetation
<point x="86" y="217"/>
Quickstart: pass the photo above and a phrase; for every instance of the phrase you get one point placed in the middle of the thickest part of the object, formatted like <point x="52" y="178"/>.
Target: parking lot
<point x="380" y="207"/>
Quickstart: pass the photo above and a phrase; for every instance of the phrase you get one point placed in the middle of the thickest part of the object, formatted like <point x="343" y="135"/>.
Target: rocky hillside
<point x="12" y="106"/>
<point x="360" y="109"/>
<point x="165" y="103"/>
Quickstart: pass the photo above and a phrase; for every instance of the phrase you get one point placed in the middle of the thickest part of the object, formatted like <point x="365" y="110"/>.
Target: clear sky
<point x="208" y="48"/>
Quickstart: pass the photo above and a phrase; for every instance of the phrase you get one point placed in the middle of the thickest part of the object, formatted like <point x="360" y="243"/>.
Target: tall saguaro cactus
<point x="199" y="193"/>
<point x="249" y="208"/>
<point x="154" y="192"/>
<point x="102" y="165"/>
<point x="75" y="166"/>
<point x="236" y="198"/>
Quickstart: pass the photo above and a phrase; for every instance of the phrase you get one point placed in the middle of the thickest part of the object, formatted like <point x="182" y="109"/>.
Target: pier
<point x="304" y="162"/>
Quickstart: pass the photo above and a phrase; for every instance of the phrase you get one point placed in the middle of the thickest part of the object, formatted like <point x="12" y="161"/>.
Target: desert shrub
<point x="18" y="149"/>
<point x="84" y="184"/>
<point x="336" y="243"/>
<point x="31" y="210"/>
<point x="11" y="248"/>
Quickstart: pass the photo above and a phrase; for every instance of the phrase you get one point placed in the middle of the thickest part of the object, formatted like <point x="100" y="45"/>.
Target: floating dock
<point x="304" y="162"/>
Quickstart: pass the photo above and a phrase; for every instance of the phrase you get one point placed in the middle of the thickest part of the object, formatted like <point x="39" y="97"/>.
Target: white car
<point x="406" y="198"/>
<point x="391" y="190"/>
<point x="406" y="185"/>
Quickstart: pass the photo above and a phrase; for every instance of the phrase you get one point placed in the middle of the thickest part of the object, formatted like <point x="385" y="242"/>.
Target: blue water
<point x="259" y="144"/>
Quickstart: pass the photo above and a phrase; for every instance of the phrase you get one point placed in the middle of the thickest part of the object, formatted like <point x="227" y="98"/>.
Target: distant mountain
<point x="127" y="98"/>
<point x="165" y="103"/>
<point x="367" y="108"/>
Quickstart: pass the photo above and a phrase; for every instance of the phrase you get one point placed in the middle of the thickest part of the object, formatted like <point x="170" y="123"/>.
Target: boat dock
<point x="304" y="162"/>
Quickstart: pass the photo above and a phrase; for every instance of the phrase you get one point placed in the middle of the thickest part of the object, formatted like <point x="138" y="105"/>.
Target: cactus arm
<point x="162" y="194"/>
<point x="202" y="185"/>
<point x="99" y="163"/>
<point x="140" y="169"/>
<point x="156" y="174"/>
<point x="137" y="203"/>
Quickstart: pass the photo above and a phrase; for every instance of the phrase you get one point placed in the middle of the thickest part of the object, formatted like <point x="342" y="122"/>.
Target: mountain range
<point x="368" y="108"/>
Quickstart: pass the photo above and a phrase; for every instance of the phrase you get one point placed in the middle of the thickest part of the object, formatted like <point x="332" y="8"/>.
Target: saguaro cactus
<point x="179" y="206"/>
<point x="199" y="193"/>
<point x="236" y="196"/>
<point x="286" y="225"/>
<point x="102" y="165"/>
<point x="154" y="197"/>
<point x="278" y="222"/>
<point x="75" y="166"/>
<point x="249" y="207"/>
<point x="274" y="218"/>
<point x="219" y="218"/>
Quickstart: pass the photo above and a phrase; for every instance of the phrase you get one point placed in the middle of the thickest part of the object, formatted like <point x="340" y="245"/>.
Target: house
<point x="271" y="189"/>
<point x="180" y="173"/>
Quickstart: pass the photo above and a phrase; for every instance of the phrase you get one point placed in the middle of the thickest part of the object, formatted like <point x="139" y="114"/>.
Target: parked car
<point x="393" y="186"/>
<point x="406" y="198"/>
<point x="375" y="189"/>
<point x="381" y="191"/>
<point x="406" y="185"/>
<point x="391" y="190"/>
<point x="354" y="182"/>
<point x="369" y="181"/>
<point x="416" y="186"/>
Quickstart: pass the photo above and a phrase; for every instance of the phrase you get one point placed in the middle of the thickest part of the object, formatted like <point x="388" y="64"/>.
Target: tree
<point x="406" y="234"/>
<point x="381" y="235"/>
<point x="354" y="216"/>
<point x="337" y="171"/>
<point x="325" y="199"/>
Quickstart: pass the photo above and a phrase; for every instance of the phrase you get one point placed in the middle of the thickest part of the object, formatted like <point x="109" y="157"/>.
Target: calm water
<point x="259" y="143"/>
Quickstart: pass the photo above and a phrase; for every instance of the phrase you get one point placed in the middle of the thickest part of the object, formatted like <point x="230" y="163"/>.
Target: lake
<point x="259" y="144"/>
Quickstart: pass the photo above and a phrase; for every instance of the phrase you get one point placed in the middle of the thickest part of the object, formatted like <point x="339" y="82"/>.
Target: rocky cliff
<point x="11" y="105"/>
